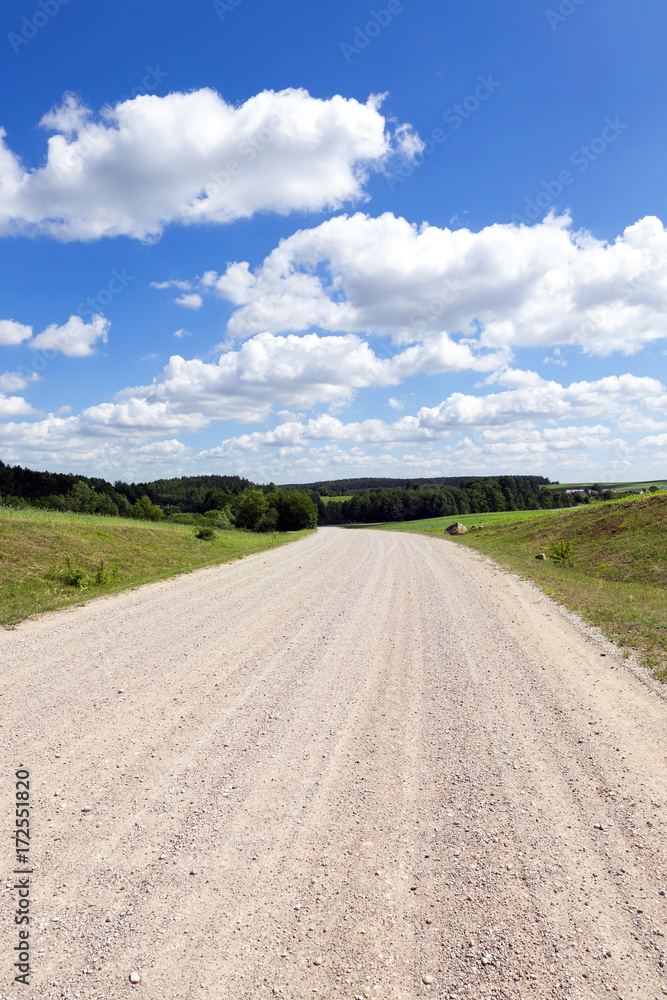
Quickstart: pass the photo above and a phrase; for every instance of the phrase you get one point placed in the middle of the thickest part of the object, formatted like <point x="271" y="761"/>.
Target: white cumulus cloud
<point x="504" y="287"/>
<point x="194" y="157"/>
<point x="74" y="338"/>
<point x="12" y="333"/>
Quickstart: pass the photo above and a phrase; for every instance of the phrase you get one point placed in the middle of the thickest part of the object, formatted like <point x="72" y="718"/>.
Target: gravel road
<point x="367" y="764"/>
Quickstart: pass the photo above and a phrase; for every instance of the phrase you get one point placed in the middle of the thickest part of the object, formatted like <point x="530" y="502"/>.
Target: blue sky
<point x="306" y="241"/>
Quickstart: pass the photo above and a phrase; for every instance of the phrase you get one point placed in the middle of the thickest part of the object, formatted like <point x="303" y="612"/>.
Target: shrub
<point x="268" y="521"/>
<point x="206" y="533"/>
<point x="73" y="577"/>
<point x="296" y="511"/>
<point x="146" y="510"/>
<point x="562" y="552"/>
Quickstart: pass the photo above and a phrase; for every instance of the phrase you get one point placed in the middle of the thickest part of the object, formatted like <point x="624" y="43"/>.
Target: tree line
<point x="478" y="495"/>
<point x="232" y="501"/>
<point x="215" y="501"/>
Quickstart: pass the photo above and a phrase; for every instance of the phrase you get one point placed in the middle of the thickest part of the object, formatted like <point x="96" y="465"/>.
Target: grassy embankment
<point x="106" y="555"/>
<point x="618" y="574"/>
<point x="436" y="525"/>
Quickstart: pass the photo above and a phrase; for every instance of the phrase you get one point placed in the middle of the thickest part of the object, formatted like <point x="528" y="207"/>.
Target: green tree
<point x="296" y="511"/>
<point x="250" y="506"/>
<point x="106" y="506"/>
<point x="147" y="511"/>
<point x="83" y="498"/>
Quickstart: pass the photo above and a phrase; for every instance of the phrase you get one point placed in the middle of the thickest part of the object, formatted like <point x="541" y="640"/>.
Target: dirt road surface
<point x="366" y="764"/>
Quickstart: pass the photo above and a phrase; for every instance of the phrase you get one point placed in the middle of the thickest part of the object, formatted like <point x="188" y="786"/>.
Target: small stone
<point x="135" y="978"/>
<point x="317" y="961"/>
<point x="108" y="918"/>
<point x="283" y="954"/>
<point x="86" y="809"/>
<point x="427" y="980"/>
<point x="121" y="690"/>
<point x="194" y="872"/>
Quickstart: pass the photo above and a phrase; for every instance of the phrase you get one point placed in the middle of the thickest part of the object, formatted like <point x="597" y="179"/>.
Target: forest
<point x="232" y="501"/>
<point x="478" y="495"/>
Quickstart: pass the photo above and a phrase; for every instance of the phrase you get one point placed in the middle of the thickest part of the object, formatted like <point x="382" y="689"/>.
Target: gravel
<point x="414" y="747"/>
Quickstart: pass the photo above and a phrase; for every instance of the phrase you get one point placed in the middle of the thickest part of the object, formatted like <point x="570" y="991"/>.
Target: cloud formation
<point x="74" y="338"/>
<point x="12" y="333"/>
<point x="505" y="287"/>
<point x="193" y="157"/>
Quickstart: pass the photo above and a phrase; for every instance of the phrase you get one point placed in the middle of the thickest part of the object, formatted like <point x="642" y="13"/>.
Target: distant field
<point x="106" y="554"/>
<point x="329" y="499"/>
<point x="660" y="483"/>
<point x="436" y="525"/>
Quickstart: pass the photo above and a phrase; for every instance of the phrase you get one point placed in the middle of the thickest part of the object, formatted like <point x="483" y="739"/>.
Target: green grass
<point x="617" y="578"/>
<point x="660" y="483"/>
<point x="35" y="546"/>
<point x="337" y="499"/>
<point x="436" y="525"/>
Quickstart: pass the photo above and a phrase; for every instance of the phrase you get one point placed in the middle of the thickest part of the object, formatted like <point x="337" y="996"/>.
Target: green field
<point x="660" y="483"/>
<point x="437" y="525"/>
<point x="329" y="499"/>
<point x="106" y="555"/>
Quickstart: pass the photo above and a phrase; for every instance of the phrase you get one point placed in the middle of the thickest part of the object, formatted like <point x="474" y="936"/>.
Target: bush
<point x="145" y="510"/>
<point x="218" y="518"/>
<point x="206" y="533"/>
<point x="183" y="518"/>
<point x="562" y="552"/>
<point x="296" y="511"/>
<point x="268" y="521"/>
<point x="73" y="577"/>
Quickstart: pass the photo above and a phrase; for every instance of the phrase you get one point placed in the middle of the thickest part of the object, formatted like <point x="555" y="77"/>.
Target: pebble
<point x="135" y="978"/>
<point x="317" y="961"/>
<point x="427" y="980"/>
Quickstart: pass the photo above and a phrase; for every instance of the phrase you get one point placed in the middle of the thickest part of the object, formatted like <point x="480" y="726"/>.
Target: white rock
<point x="135" y="978"/>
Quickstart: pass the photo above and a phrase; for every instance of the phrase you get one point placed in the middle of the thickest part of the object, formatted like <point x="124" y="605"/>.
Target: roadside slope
<point x="369" y="764"/>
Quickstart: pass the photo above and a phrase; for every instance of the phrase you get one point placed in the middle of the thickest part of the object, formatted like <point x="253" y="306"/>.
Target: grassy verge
<point x="50" y="560"/>
<point x="436" y="525"/>
<point x="617" y="576"/>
